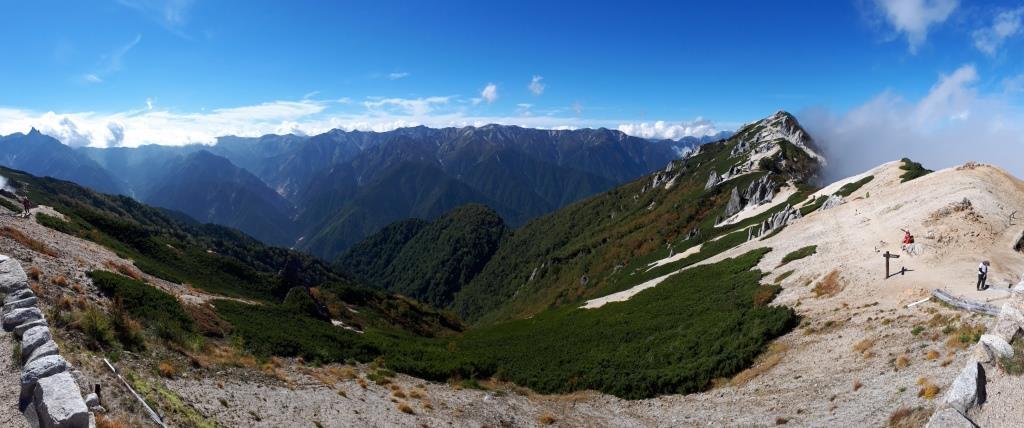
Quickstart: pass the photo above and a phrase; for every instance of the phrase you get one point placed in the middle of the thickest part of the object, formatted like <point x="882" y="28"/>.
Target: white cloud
<point x="112" y="62"/>
<point x="489" y="93"/>
<point x="536" y="86"/>
<point x="1014" y="84"/>
<point x="398" y="75"/>
<point x="950" y="125"/>
<point x="914" y="17"/>
<point x="412" y="106"/>
<point x="1004" y="26"/>
<point x="149" y="103"/>
<point x="698" y="127"/>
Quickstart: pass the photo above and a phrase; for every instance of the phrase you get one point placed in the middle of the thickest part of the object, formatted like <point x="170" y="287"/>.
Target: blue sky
<point x="171" y="72"/>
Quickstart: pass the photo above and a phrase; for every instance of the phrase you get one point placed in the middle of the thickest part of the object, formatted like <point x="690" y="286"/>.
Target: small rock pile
<point x="50" y="395"/>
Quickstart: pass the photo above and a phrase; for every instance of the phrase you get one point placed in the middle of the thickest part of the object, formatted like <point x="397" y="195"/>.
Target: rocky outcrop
<point x="780" y="219"/>
<point x="758" y="192"/>
<point x="713" y="180"/>
<point x="735" y="203"/>
<point x="49" y="393"/>
<point x="832" y="202"/>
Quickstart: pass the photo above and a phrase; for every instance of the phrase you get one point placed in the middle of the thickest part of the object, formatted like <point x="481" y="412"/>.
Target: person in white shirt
<point x="982" y="274"/>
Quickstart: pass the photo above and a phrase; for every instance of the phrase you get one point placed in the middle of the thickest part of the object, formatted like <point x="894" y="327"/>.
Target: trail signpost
<point x="888" y="256"/>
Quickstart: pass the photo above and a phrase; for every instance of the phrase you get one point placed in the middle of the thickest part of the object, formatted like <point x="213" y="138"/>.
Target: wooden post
<point x="888" y="256"/>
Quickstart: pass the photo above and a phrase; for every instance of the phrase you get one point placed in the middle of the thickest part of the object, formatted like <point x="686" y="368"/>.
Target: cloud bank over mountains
<point x="153" y="125"/>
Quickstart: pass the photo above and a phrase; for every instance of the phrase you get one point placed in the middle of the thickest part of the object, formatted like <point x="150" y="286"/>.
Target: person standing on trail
<point x="27" y="205"/>
<point x="982" y="274"/>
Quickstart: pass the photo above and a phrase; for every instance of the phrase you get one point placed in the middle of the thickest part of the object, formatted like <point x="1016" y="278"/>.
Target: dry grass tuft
<point x="34" y="273"/>
<point x="60" y="281"/>
<point x="167" y="369"/>
<point x="863" y="346"/>
<point x="405" y="408"/>
<point x="362" y="382"/>
<point x="124" y="269"/>
<point x="902" y="361"/>
<point x="547" y="419"/>
<point x="77" y="288"/>
<point x="105" y="421"/>
<point x="417" y="393"/>
<point x="932" y="355"/>
<point x="771" y="358"/>
<point x="928" y="389"/>
<point x="37" y="288"/>
<point x="907" y="417"/>
<point x="857" y="385"/>
<point x="27" y="242"/>
<point x="829" y="286"/>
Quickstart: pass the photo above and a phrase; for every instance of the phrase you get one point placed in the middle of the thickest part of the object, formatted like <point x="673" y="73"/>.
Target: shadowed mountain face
<point x="43" y="155"/>
<point x="211" y="189"/>
<point x="345" y="186"/>
<point x="597" y="245"/>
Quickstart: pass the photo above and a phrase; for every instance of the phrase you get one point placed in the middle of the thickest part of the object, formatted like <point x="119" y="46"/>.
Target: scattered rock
<point x="59" y="403"/>
<point x="92" y="400"/>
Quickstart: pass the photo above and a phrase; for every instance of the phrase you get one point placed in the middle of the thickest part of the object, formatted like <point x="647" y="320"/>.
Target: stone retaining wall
<point x="50" y="396"/>
<point x="967" y="392"/>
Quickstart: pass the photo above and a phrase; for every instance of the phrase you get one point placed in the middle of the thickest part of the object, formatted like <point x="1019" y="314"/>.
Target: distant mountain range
<point x="324" y="193"/>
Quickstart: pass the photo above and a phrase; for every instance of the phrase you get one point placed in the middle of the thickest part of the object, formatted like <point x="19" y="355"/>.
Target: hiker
<point x="982" y="275"/>
<point x="27" y="205"/>
<point x="907" y="239"/>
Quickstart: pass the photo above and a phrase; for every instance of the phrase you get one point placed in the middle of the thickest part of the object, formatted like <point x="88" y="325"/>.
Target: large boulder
<point x="949" y="418"/>
<point x="12" y="276"/>
<point x="33" y="339"/>
<point x="20" y="330"/>
<point x="59" y="403"/>
<point x="18" y="304"/>
<point x="38" y="369"/>
<point x="21" y="316"/>
<point x="18" y="295"/>
<point x="1000" y="348"/>
<point x="968" y="389"/>
<point x="45" y="350"/>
